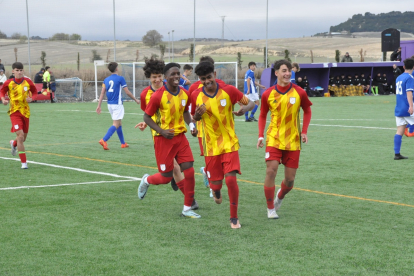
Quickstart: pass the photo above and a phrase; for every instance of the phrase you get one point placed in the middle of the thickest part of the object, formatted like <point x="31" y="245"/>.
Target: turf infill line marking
<point x="73" y="169"/>
<point x="66" y="184"/>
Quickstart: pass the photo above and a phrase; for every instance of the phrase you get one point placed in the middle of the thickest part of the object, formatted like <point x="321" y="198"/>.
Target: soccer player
<point x="170" y="106"/>
<point x="198" y="84"/>
<point x="295" y="69"/>
<point x="283" y="141"/>
<point x="20" y="90"/>
<point x="404" y="104"/>
<point x="153" y="70"/>
<point x="212" y="105"/>
<point x="184" y="81"/>
<point x="112" y="86"/>
<point x="250" y="90"/>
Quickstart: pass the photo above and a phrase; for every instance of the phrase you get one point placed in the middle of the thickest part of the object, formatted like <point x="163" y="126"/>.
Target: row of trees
<point x="57" y="36"/>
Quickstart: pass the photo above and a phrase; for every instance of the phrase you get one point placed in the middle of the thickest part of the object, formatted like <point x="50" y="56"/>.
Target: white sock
<point x="186" y="208"/>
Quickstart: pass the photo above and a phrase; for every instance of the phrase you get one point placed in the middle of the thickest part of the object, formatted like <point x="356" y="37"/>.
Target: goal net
<point x="136" y="80"/>
<point x="69" y="89"/>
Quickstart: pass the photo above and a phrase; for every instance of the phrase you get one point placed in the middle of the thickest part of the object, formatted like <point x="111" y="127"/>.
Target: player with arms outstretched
<point x="20" y="90"/>
<point x="404" y="104"/>
<point x="112" y="87"/>
<point x="212" y="106"/>
<point x="283" y="137"/>
<point x="170" y="106"/>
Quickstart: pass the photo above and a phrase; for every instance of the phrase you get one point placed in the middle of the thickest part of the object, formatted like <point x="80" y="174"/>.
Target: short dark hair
<point x="206" y="58"/>
<point x="296" y="65"/>
<point x="46" y="68"/>
<point x="409" y="64"/>
<point x="204" y="68"/>
<point x="153" y="66"/>
<point x="188" y="67"/>
<point x="251" y="63"/>
<point x="111" y="66"/>
<point x="170" y="65"/>
<point x="281" y="62"/>
<point x="17" y="65"/>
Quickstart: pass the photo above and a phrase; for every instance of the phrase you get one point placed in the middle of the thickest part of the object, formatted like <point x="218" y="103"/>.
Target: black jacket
<point x="396" y="72"/>
<point x="38" y="78"/>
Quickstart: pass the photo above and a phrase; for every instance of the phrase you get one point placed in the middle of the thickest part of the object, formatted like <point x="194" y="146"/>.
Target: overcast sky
<point x="245" y="19"/>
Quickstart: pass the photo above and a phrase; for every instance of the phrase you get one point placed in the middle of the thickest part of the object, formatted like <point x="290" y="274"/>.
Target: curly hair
<point x="206" y="58"/>
<point x="204" y="68"/>
<point x="153" y="66"/>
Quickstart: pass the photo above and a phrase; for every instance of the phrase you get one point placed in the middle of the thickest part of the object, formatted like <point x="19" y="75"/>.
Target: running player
<point x="112" y="86"/>
<point x="153" y="70"/>
<point x="20" y="90"/>
<point x="250" y="90"/>
<point x="283" y="142"/>
<point x="194" y="87"/>
<point x="170" y="106"/>
<point x="212" y="106"/>
<point x="404" y="104"/>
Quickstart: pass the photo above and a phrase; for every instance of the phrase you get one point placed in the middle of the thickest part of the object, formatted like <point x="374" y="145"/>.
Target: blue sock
<point x="397" y="143"/>
<point x="108" y="135"/>
<point x="246" y="115"/>
<point x="410" y="128"/>
<point x="120" y="135"/>
<point x="254" y="111"/>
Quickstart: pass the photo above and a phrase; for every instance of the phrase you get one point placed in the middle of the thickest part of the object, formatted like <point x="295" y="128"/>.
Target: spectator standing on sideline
<point x="396" y="55"/>
<point x="2" y="67"/>
<point x="52" y="86"/>
<point x="250" y="90"/>
<point x="404" y="105"/>
<point x="39" y="76"/>
<point x="184" y="81"/>
<point x="283" y="141"/>
<point x="46" y="80"/>
<point x="396" y="71"/>
<point x="347" y="58"/>
<point x="3" y="77"/>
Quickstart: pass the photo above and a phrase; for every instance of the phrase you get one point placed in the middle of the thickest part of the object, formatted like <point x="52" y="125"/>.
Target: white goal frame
<point x="194" y="64"/>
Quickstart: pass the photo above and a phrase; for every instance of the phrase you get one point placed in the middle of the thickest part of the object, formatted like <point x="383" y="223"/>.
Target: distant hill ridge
<point x="370" y="22"/>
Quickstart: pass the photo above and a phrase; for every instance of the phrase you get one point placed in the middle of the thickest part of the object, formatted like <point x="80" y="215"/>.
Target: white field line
<point x="129" y="178"/>
<point x="242" y="120"/>
<point x="66" y="184"/>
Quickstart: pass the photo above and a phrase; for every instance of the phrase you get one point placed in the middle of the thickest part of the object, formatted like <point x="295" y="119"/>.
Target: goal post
<point x="136" y="80"/>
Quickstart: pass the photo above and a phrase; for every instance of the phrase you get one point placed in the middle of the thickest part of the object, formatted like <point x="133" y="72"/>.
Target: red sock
<point x="180" y="186"/>
<point x="284" y="190"/>
<point x="22" y="156"/>
<point x="157" y="179"/>
<point x="189" y="184"/>
<point x="233" y="190"/>
<point x="270" y="195"/>
<point x="15" y="143"/>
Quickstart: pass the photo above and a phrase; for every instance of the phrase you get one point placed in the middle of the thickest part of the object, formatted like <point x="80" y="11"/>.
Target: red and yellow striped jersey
<point x="168" y="109"/>
<point x="18" y="90"/>
<point x="217" y="123"/>
<point x="283" y="132"/>
<point x="145" y="98"/>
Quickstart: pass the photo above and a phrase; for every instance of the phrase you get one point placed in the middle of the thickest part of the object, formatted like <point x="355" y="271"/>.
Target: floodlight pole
<point x="114" y="34"/>
<point x="267" y="23"/>
<point x="194" y="31"/>
<point x="28" y="36"/>
<point x="169" y="47"/>
<point x="172" y="44"/>
<point x="222" y="30"/>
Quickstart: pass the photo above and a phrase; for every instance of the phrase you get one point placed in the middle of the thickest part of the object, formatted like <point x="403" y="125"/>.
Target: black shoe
<point x="174" y="185"/>
<point x="249" y="120"/>
<point x="399" y="157"/>
<point x="253" y="119"/>
<point x="194" y="205"/>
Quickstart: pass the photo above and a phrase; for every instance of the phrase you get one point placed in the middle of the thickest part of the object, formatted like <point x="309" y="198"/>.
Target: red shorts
<point x="168" y="149"/>
<point x="217" y="166"/>
<point x="19" y="122"/>
<point x="289" y="158"/>
<point x="200" y="143"/>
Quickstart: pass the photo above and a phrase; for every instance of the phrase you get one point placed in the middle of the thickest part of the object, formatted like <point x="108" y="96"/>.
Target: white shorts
<point x="117" y="111"/>
<point x="253" y="97"/>
<point x="402" y="121"/>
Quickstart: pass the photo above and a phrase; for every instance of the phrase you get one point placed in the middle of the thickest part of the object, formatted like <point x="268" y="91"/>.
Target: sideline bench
<point x="37" y="97"/>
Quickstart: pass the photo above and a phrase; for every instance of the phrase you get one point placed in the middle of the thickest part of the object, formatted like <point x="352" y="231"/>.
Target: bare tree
<point x="107" y="55"/>
<point x="152" y="38"/>
<point x="43" y="58"/>
<point x="137" y="56"/>
<point x="311" y="56"/>
<point x="15" y="53"/>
